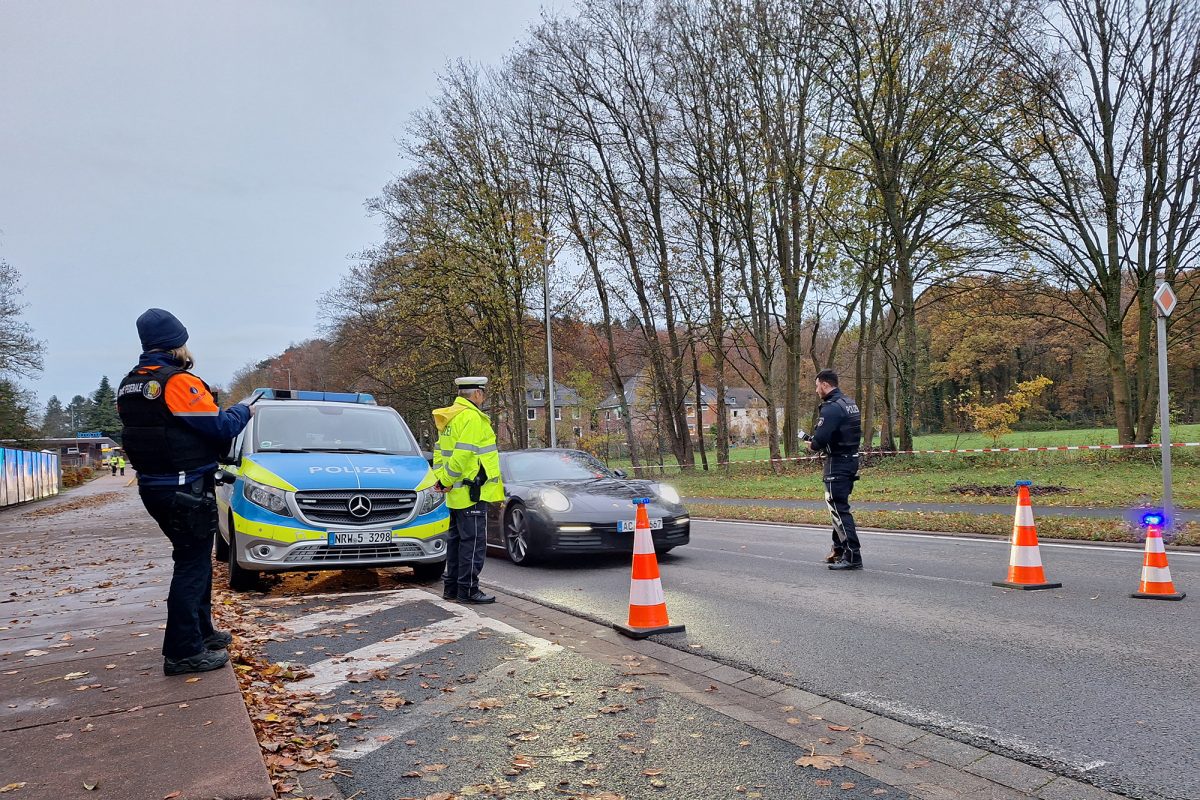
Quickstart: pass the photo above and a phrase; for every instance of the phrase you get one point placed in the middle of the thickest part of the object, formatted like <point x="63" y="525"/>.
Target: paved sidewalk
<point x="85" y="710"/>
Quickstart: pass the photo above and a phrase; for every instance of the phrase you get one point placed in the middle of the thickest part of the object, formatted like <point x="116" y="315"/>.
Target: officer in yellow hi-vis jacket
<point x="466" y="463"/>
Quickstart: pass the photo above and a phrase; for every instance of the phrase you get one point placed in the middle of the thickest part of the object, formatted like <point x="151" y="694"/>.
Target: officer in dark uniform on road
<point x="173" y="433"/>
<point x="838" y="433"/>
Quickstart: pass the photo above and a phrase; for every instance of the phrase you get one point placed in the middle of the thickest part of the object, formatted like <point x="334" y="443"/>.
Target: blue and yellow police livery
<point x="324" y="480"/>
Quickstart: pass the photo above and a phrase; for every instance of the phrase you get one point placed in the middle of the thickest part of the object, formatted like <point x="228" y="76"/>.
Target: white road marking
<point x="905" y="713"/>
<point x="332" y="672"/>
<point x="943" y="537"/>
<point x="321" y="619"/>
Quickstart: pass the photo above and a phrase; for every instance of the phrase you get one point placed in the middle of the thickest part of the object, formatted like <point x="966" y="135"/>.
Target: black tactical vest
<point x="845" y="440"/>
<point x="155" y="442"/>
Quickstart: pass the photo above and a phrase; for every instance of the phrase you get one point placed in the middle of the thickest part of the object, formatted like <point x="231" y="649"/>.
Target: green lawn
<point x="1105" y="483"/>
<point x="1080" y="478"/>
<point x="961" y="441"/>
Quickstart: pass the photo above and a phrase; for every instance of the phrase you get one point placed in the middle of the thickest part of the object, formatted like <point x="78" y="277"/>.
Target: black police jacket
<point x="839" y="428"/>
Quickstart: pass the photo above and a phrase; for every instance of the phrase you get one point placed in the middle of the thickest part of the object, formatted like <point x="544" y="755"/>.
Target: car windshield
<point x="553" y="465"/>
<point x="331" y="428"/>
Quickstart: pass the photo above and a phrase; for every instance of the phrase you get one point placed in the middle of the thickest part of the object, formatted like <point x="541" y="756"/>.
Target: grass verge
<point x="998" y="525"/>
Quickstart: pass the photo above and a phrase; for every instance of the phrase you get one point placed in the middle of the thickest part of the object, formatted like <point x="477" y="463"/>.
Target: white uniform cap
<point x="464" y="384"/>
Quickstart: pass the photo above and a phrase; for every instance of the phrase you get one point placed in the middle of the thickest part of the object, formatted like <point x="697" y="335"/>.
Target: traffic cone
<point x="1025" y="561"/>
<point x="1156" y="575"/>
<point x="647" y="604"/>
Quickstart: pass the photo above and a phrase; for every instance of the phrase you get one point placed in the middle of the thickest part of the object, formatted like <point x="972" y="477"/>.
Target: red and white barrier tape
<point x="1060" y="448"/>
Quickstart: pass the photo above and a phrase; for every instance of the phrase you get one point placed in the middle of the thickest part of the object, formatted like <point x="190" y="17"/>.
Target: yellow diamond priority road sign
<point x="1165" y="299"/>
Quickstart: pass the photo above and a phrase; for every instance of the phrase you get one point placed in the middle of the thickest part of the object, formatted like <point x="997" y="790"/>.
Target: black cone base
<point x="1029" y="587"/>
<point x="642" y="633"/>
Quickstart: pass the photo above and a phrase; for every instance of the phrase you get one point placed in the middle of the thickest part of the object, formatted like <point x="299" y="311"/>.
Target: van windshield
<point x="331" y="428"/>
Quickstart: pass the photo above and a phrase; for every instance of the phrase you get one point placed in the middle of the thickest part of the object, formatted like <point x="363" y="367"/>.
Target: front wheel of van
<point x="428" y="571"/>
<point x="240" y="578"/>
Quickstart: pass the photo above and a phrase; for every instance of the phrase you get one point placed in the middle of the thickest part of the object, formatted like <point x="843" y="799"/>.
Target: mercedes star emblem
<point x="359" y="506"/>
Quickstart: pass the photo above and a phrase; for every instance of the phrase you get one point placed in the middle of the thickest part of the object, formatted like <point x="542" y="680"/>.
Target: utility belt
<point x="194" y="512"/>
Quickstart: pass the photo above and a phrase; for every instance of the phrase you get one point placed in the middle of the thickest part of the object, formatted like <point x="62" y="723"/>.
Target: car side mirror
<point x="223" y="478"/>
<point x="620" y="473"/>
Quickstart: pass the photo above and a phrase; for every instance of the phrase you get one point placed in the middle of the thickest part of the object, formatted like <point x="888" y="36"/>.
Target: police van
<point x="327" y="480"/>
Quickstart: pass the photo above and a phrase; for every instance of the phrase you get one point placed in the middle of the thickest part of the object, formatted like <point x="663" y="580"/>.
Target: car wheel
<point x="517" y="537"/>
<point x="220" y="546"/>
<point x="240" y="578"/>
<point x="428" y="571"/>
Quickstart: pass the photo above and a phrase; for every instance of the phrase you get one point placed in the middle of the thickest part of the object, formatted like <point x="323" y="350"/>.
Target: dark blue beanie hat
<point x="160" y="330"/>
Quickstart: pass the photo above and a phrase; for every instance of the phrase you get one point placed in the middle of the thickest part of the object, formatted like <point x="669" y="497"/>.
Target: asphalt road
<point x="1083" y="679"/>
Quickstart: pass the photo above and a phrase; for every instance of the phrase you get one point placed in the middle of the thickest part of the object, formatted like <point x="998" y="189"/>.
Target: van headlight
<point x="554" y="500"/>
<point x="668" y="493"/>
<point x="428" y="500"/>
<point x="268" y="497"/>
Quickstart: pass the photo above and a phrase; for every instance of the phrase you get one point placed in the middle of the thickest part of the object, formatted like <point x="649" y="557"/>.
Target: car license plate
<point x="343" y="538"/>
<point x="629" y="525"/>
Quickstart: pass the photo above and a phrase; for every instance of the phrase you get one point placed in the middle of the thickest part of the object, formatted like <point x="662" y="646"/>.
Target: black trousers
<point x="840" y="474"/>
<point x="188" y="516"/>
<point x="466" y="547"/>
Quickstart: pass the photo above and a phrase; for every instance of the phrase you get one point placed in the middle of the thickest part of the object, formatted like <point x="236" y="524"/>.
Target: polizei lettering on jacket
<point x="354" y="470"/>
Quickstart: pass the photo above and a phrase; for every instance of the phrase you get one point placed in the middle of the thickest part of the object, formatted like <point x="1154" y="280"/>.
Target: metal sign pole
<point x="1165" y="300"/>
<point x="1164" y="411"/>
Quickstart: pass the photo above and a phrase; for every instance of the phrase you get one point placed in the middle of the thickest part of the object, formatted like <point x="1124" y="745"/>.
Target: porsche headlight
<point x="428" y="500"/>
<point x="268" y="497"/>
<point x="554" y="500"/>
<point x="667" y="493"/>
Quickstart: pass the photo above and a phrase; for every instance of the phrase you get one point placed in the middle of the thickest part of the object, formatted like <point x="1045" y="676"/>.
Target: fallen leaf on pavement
<point x="73" y="676"/>
<point x="917" y="764"/>
<point x="824" y="783"/>
<point x="848" y="785"/>
<point x="485" y="703"/>
<point x="613" y="709"/>
<point x="879" y="792"/>
<point x="838" y="727"/>
<point x="12" y="787"/>
<point x="819" y="762"/>
<point x="91" y="787"/>
<point x="652" y="772"/>
<point x="193" y="680"/>
<point x="171" y="796"/>
<point x="31" y="654"/>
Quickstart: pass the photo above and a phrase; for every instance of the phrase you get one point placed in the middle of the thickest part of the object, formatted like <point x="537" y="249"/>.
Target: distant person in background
<point x="112" y="464"/>
<point x="838" y="433"/>
<point x="121" y="465"/>
<point x="173" y="433"/>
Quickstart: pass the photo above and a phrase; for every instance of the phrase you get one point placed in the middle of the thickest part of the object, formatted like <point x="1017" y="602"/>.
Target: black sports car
<point x="565" y="501"/>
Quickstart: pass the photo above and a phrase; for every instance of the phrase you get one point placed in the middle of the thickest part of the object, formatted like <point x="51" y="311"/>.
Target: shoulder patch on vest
<point x="151" y="390"/>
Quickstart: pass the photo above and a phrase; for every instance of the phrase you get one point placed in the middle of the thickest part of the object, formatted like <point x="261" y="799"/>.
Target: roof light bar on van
<point x="305" y="394"/>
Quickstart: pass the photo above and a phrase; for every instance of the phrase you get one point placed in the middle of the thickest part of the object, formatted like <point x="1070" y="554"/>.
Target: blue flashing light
<point x="641" y="501"/>
<point x="305" y="394"/>
<point x="1155" y="518"/>
<point x="1023" y="483"/>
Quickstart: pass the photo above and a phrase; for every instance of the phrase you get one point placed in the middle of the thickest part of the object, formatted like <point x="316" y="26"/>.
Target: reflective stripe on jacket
<point x="466" y="444"/>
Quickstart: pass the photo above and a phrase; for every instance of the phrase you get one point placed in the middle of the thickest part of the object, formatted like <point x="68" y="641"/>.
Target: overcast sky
<point x="211" y="158"/>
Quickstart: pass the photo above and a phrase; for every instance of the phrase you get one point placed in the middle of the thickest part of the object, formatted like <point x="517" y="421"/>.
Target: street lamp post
<point x="549" y="358"/>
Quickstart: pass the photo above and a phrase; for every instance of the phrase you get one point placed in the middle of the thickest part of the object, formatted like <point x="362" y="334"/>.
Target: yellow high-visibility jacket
<point x="466" y="444"/>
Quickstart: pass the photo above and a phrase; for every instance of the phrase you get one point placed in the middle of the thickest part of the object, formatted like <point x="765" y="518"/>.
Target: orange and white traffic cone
<point x="1025" y="560"/>
<point x="1156" y="575"/>
<point x="647" y="604"/>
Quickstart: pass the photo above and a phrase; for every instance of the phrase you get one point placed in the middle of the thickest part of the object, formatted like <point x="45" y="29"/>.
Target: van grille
<point x="330" y="507"/>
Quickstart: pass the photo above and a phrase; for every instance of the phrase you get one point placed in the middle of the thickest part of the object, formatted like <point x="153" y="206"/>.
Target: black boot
<point x="218" y="640"/>
<point x="848" y="561"/>
<point x="204" y="662"/>
<point x="449" y="592"/>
